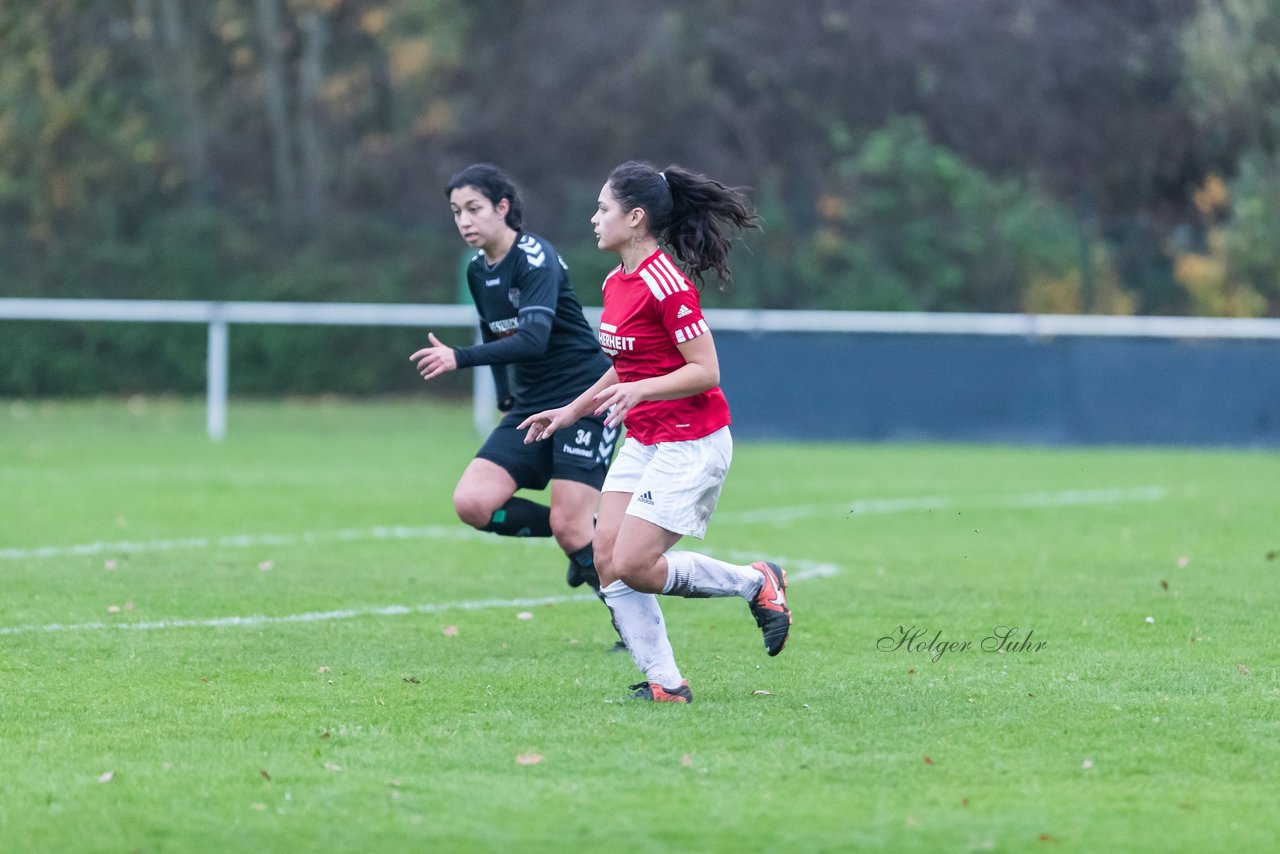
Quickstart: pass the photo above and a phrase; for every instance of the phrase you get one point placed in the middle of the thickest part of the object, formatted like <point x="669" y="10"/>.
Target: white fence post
<point x="216" y="378"/>
<point x="484" y="397"/>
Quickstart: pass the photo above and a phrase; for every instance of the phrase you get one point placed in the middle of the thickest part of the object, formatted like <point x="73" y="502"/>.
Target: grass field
<point x="286" y="642"/>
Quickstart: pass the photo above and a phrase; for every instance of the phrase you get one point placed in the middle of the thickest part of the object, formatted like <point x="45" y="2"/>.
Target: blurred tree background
<point x="1078" y="156"/>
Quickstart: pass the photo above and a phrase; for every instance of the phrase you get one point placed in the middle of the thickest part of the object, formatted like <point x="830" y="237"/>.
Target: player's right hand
<point x="436" y="359"/>
<point x="542" y="424"/>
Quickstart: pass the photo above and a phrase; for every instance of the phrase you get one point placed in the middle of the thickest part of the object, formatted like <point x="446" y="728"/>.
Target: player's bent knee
<point x="571" y="527"/>
<point x="472" y="509"/>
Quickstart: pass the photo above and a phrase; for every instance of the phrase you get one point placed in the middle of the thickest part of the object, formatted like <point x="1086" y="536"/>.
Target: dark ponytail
<point x="495" y="185"/>
<point x="687" y="211"/>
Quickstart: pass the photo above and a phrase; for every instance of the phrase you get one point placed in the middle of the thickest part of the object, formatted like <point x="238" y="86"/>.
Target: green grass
<point x="382" y="732"/>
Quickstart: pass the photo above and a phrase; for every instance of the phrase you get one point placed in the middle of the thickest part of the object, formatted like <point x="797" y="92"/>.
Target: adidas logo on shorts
<point x="645" y="497"/>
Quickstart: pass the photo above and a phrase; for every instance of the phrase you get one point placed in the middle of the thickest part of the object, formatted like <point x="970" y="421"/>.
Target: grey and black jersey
<point x="530" y="318"/>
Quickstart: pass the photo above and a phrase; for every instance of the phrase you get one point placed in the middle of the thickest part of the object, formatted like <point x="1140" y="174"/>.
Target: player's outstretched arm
<point x="542" y="424"/>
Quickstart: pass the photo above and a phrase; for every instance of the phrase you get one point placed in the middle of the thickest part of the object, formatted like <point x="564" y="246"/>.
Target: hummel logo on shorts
<point x="645" y="498"/>
<point x="683" y="312"/>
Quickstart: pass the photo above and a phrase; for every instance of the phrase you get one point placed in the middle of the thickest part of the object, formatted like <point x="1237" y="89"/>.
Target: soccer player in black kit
<point x="530" y="318"/>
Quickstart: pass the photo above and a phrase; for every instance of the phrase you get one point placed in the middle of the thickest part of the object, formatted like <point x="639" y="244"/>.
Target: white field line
<point x="798" y="570"/>
<point x="773" y="515"/>
<point x="237" y="541"/>
<point x="884" y="506"/>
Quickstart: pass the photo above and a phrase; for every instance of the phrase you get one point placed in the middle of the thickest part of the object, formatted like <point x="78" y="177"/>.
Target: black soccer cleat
<point x="655" y="693"/>
<point x="577" y="575"/>
<point x="770" y="607"/>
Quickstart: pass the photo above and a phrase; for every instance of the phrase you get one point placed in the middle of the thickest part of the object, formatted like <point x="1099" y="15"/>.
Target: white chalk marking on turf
<point x="772" y="516"/>
<point x="804" y="571"/>
<point x="882" y="506"/>
<point x="388" y="532"/>
<point x="309" y="617"/>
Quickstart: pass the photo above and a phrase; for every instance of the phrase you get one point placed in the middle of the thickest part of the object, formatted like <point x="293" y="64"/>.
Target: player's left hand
<point x="436" y="359"/>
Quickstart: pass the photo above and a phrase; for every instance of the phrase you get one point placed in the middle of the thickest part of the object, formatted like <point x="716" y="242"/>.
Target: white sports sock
<point x="696" y="576"/>
<point x="639" y="621"/>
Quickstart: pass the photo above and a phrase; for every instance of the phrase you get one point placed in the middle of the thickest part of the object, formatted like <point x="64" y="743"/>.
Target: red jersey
<point x="646" y="314"/>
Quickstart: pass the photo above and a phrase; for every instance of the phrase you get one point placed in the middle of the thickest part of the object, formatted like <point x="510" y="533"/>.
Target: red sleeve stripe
<point x="693" y="330"/>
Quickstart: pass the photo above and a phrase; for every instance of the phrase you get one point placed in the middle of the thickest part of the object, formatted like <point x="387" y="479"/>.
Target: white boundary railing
<point x="220" y="315"/>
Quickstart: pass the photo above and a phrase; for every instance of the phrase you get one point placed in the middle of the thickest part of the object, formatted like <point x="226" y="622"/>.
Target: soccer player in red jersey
<point x="664" y="386"/>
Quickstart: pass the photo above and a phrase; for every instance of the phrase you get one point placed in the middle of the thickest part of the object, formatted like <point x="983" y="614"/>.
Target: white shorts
<point x="674" y="485"/>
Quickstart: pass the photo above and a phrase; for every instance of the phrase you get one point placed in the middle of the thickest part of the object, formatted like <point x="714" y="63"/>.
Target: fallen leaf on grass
<point x="529" y="758"/>
<point x="326" y="734"/>
<point x="451" y="631"/>
<point x="964" y="802"/>
<point x="329" y="766"/>
<point x="267" y="565"/>
<point x="265" y="775"/>
<point x="1272" y="555"/>
<point x="1183" y="561"/>
<point x="1047" y="837"/>
<point x="106" y="776"/>
<point x="762" y="693"/>
<point x="524" y="615"/>
<point x="1242" y="670"/>
<point x="1164" y="585"/>
<point x="1087" y="764"/>
<point x="322" y="669"/>
<point x="113" y="609"/>
<point x="412" y="680"/>
<point x="928" y="761"/>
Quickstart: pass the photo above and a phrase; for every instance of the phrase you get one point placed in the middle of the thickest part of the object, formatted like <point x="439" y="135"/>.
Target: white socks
<point x="639" y="620"/>
<point x="696" y="576"/>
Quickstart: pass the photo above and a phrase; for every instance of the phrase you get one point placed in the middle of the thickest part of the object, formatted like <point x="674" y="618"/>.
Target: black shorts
<point x="581" y="452"/>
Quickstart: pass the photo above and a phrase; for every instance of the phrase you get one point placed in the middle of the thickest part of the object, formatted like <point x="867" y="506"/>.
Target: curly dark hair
<point x="687" y="211"/>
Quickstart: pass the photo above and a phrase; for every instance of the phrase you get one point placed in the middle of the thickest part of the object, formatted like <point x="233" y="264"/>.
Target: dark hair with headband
<point x="495" y="185"/>
<point x="688" y="212"/>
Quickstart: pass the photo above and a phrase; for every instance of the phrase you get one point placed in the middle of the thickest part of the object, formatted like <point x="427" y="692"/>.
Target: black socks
<point x="520" y="517"/>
